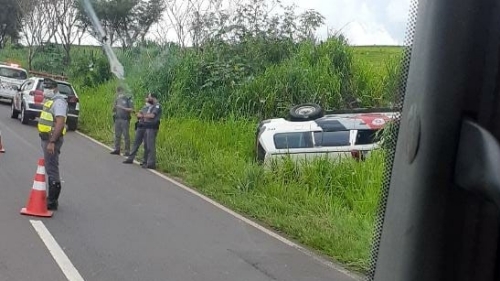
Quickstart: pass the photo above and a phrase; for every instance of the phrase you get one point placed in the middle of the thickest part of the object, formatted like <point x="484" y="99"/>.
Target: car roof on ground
<point x="332" y="122"/>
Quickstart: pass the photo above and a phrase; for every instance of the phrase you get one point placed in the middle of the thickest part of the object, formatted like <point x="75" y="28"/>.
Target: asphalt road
<point x="121" y="222"/>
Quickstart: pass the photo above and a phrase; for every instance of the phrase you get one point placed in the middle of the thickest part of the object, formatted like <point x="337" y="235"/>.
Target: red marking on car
<point x="374" y="121"/>
<point x="38" y="96"/>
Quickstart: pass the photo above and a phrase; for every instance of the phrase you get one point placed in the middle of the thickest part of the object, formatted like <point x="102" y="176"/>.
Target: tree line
<point x="127" y="23"/>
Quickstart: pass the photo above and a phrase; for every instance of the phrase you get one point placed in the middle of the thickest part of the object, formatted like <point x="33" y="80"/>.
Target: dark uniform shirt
<point x="125" y="102"/>
<point x="156" y="110"/>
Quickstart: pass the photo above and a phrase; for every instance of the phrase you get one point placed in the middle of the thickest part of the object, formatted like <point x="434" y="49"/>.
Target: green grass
<point x="376" y="55"/>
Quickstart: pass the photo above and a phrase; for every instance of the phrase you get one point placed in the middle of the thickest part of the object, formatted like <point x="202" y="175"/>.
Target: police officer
<point x="52" y="128"/>
<point x="140" y="132"/>
<point x="122" y="109"/>
<point x="152" y="125"/>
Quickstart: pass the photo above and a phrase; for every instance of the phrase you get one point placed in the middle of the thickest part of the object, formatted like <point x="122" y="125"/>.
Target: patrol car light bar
<point x="10" y="64"/>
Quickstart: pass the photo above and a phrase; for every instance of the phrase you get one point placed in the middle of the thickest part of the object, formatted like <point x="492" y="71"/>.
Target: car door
<point x="439" y="216"/>
<point x="19" y="94"/>
<point x="25" y="93"/>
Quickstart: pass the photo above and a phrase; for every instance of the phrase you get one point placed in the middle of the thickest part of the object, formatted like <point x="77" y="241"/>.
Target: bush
<point x="90" y="68"/>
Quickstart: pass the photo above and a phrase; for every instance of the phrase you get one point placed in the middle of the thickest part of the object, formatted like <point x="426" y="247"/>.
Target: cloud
<point x="369" y="34"/>
<point x="397" y="11"/>
<point x="364" y="22"/>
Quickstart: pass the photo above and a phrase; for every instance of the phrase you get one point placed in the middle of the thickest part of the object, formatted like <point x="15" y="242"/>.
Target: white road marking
<point x="57" y="253"/>
<point x="241" y="218"/>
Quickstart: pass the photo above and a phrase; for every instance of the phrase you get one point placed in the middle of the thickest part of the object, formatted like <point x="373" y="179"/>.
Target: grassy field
<point x="327" y="207"/>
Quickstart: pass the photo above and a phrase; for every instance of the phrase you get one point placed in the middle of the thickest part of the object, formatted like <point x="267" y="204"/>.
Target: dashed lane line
<point x="57" y="253"/>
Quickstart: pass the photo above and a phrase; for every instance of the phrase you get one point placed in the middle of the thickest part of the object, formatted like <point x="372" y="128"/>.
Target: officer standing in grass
<point x="52" y="128"/>
<point x="152" y="125"/>
<point x="140" y="132"/>
<point x="122" y="109"/>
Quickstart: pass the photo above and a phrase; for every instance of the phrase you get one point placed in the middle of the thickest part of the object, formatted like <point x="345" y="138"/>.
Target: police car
<point x="309" y="133"/>
<point x="11" y="77"/>
<point x="28" y="100"/>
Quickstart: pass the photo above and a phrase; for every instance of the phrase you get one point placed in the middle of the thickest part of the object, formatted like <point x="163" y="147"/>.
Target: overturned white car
<point x="309" y="133"/>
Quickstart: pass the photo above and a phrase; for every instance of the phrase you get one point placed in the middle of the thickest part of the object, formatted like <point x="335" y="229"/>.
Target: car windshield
<point x="64" y="88"/>
<point x="13" y="73"/>
<point x="293" y="140"/>
<point x="335" y="138"/>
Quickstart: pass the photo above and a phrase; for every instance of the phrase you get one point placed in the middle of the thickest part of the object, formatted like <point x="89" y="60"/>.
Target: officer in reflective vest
<point x="52" y="128"/>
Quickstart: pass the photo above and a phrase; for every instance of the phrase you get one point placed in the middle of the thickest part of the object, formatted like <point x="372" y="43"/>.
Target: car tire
<point x="14" y="114"/>
<point x="24" y="117"/>
<point x="72" y="125"/>
<point x="305" y="112"/>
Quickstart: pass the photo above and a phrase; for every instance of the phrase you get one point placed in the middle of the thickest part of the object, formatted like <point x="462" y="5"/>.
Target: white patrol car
<point x="11" y="77"/>
<point x="29" y="99"/>
<point x="308" y="133"/>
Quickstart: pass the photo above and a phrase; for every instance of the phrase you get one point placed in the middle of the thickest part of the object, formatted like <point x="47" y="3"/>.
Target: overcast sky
<point x="363" y="22"/>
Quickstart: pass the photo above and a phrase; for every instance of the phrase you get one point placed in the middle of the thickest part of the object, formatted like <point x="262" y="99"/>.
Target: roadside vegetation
<point x="243" y="66"/>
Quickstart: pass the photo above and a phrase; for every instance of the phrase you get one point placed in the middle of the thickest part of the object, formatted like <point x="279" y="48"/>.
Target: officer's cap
<point x="49" y="83"/>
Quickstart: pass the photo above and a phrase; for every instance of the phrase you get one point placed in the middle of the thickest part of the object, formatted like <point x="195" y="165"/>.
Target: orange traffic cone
<point x="37" y="202"/>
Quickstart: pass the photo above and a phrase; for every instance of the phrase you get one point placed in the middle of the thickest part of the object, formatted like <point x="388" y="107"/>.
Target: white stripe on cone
<point x="37" y="185"/>
<point x="40" y="170"/>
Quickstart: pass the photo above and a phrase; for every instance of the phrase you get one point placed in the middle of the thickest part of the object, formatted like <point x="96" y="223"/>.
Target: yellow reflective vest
<point x="46" y="121"/>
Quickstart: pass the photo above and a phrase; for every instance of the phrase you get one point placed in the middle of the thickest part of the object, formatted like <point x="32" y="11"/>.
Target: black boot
<point x="54" y="191"/>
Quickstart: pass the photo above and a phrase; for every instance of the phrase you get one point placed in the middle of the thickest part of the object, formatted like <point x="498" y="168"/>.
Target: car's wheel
<point x="14" y="114"/>
<point x="24" y="117"/>
<point x="305" y="112"/>
<point x="72" y="124"/>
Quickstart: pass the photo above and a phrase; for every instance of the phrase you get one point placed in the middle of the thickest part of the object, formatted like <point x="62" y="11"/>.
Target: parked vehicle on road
<point x="28" y="100"/>
<point x="11" y="77"/>
<point x="309" y="133"/>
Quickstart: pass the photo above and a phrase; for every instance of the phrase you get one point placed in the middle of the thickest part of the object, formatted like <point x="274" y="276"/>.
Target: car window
<point x="13" y="73"/>
<point x="368" y="136"/>
<point x="293" y="140"/>
<point x="65" y="89"/>
<point x="27" y="85"/>
<point x="335" y="138"/>
<point x="39" y="85"/>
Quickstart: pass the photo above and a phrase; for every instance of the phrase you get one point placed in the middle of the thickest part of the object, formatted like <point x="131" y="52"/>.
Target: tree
<point x="127" y="21"/>
<point x="38" y="25"/>
<point x="67" y="31"/>
<point x="254" y="19"/>
<point x="196" y="20"/>
<point x="310" y="20"/>
<point x="10" y="15"/>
